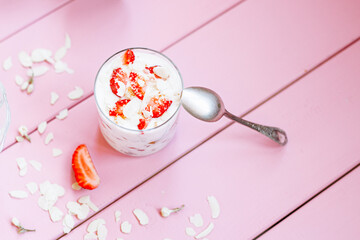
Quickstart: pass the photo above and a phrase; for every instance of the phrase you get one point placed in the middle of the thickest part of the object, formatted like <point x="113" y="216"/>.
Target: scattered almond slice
<point x="53" y="98"/>
<point x="93" y="226"/>
<point x="141" y="216"/>
<point x="15" y="222"/>
<point x="62" y="114"/>
<point x="67" y="41"/>
<point x="66" y="229"/>
<point x="197" y="220"/>
<point x="55" y="214"/>
<point x="42" y="127"/>
<point x="68" y="223"/>
<point x="59" y="190"/>
<point x="56" y="152"/>
<point x="76" y="94"/>
<point x="214" y="206"/>
<point x="25" y="59"/>
<point x="7" y="64"/>
<point x="60" y="53"/>
<point x="18" y="194"/>
<point x="91" y="236"/>
<point x="117" y="215"/>
<point x="84" y="199"/>
<point x="49" y="137"/>
<point x="125" y="227"/>
<point x="102" y="232"/>
<point x="19" y="80"/>
<point x="73" y="207"/>
<point x="24" y="86"/>
<point x="21" y="162"/>
<point x="30" y="88"/>
<point x="84" y="212"/>
<point x="190" y="231"/>
<point x="76" y="186"/>
<point x="93" y="207"/>
<point x="37" y="165"/>
<point x="19" y="138"/>
<point x="40" y="55"/>
<point x="37" y="71"/>
<point x="32" y="187"/>
<point x="60" y="66"/>
<point x="23" y="172"/>
<point x="43" y="203"/>
<point x="206" y="232"/>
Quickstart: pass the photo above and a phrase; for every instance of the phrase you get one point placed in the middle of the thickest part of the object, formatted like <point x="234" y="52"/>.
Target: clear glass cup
<point x="135" y="142"/>
<point x="4" y="116"/>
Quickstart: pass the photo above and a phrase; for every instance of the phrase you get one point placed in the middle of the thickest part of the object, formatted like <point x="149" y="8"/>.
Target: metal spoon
<point x="206" y="105"/>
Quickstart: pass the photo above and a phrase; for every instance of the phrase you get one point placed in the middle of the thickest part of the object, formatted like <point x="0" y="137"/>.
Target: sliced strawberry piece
<point x="151" y="70"/>
<point x="84" y="169"/>
<point x="137" y="89"/>
<point x="129" y="57"/>
<point x="144" y="122"/>
<point x="158" y="106"/>
<point x="118" y="109"/>
<point x="117" y="76"/>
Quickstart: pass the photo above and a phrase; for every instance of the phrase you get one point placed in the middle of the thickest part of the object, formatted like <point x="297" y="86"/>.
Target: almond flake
<point x="76" y="94"/>
<point x="37" y="165"/>
<point x="32" y="187"/>
<point x="190" y="231"/>
<point x="15" y="222"/>
<point x="42" y="127"/>
<point x="24" y="86"/>
<point x="66" y="229"/>
<point x="214" y="206"/>
<point x="62" y="114"/>
<point x="55" y="214"/>
<point x="25" y="59"/>
<point x="43" y="203"/>
<point x="40" y="54"/>
<point x="84" y="199"/>
<point x="84" y="212"/>
<point x="60" y="66"/>
<point x="197" y="220"/>
<point x="19" y="138"/>
<point x="76" y="186"/>
<point x="30" y="88"/>
<point x="59" y="190"/>
<point x="206" y="232"/>
<point x="19" y="80"/>
<point x="141" y="216"/>
<point x="7" y="64"/>
<point x="23" y="172"/>
<point x="18" y="194"/>
<point x="117" y="215"/>
<point x="49" y="137"/>
<point x="45" y="187"/>
<point x="92" y="206"/>
<point x="102" y="232"/>
<point x="37" y="71"/>
<point x="90" y="236"/>
<point x="60" y="53"/>
<point x="67" y="41"/>
<point x="21" y="162"/>
<point x="93" y="226"/>
<point x="125" y="227"/>
<point x="162" y="72"/>
<point x="56" y="152"/>
<point x="73" y="207"/>
<point x="53" y="97"/>
<point x="68" y="221"/>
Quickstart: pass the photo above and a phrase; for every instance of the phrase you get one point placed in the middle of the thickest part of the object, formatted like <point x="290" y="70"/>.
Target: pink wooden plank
<point x="97" y="33"/>
<point x="332" y="215"/>
<point x="19" y="14"/>
<point x="255" y="181"/>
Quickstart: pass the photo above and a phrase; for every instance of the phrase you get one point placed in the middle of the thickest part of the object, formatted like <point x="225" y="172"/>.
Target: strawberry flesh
<point x="129" y="57"/>
<point x="118" y="109"/>
<point x="117" y="75"/>
<point x="84" y="169"/>
<point x="135" y="86"/>
<point x="158" y="106"/>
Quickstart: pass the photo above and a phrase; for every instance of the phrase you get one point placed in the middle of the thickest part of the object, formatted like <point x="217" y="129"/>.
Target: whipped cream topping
<point x="138" y="89"/>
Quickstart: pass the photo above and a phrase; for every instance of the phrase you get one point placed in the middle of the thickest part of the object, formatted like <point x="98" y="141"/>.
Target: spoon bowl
<point x="207" y="105"/>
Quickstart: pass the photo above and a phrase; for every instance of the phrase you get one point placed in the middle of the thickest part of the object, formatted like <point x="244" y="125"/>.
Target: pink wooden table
<point x="294" y="65"/>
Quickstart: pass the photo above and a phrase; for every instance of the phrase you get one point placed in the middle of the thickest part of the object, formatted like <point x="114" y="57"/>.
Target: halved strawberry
<point x="151" y="70"/>
<point x="84" y="169"/>
<point x="129" y="57"/>
<point x="137" y="89"/>
<point x="158" y="105"/>
<point x="118" y="109"/>
<point x="117" y="75"/>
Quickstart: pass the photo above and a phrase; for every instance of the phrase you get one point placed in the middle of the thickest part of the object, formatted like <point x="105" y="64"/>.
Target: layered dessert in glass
<point x="138" y="93"/>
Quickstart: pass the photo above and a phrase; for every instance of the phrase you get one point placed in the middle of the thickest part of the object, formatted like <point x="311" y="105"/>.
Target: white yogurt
<point x="122" y="131"/>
